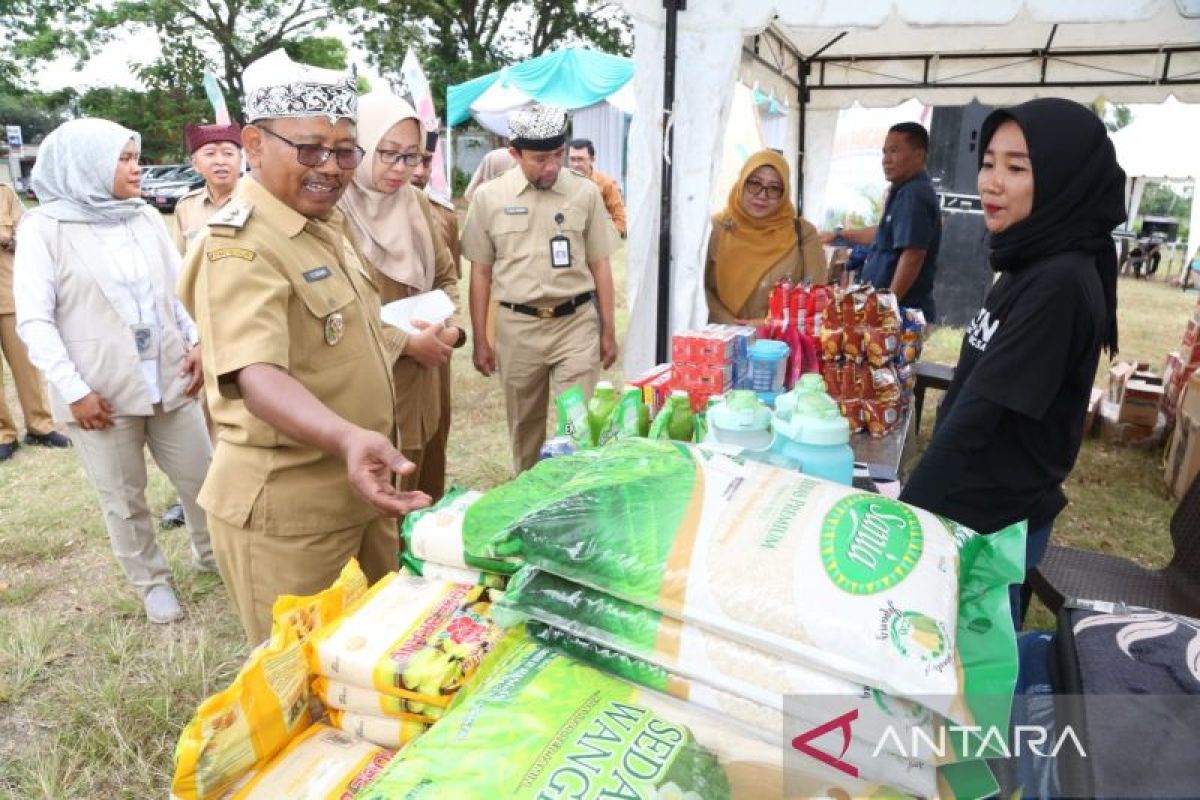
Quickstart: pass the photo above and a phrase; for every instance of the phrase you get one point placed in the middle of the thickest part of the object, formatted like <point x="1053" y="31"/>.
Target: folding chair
<point x="1069" y="573"/>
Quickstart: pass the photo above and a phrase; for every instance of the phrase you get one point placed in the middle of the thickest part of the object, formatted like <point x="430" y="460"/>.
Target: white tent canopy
<point x="875" y="52"/>
<point x="1149" y="150"/>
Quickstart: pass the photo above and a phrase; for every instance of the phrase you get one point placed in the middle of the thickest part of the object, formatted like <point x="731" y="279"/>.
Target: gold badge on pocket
<point x="335" y="328"/>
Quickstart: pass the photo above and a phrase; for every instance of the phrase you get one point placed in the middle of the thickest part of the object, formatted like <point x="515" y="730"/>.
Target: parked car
<point x="164" y="192"/>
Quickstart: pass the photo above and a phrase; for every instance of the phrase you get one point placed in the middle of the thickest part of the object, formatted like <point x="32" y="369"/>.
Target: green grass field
<point x="92" y="698"/>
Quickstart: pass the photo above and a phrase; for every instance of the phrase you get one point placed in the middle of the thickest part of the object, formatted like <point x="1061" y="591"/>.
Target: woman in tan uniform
<point x="392" y="223"/>
<point x="757" y="240"/>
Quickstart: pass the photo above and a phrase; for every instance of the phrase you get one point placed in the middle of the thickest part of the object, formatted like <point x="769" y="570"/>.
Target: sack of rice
<point x="241" y="728"/>
<point x="888" y="767"/>
<point x="849" y="583"/>
<point x="390" y="732"/>
<point x="320" y="764"/>
<point x="359" y="700"/>
<point x="410" y="638"/>
<point x="433" y="536"/>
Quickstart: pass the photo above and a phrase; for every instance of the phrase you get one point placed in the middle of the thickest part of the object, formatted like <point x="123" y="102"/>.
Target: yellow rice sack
<point x="322" y="763"/>
<point x="305" y="614"/>
<point x="244" y="726"/>
<point x="410" y="638"/>
<point x="383" y="731"/>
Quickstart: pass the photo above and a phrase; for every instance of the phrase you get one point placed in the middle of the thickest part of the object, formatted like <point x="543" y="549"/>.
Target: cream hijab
<point x="390" y="229"/>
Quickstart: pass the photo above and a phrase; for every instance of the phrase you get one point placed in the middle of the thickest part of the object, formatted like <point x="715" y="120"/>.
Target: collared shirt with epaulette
<point x="268" y="285"/>
<point x="510" y="224"/>
<point x="192" y="213"/>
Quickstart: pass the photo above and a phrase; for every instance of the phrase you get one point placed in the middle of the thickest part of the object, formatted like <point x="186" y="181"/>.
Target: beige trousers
<point x="115" y="464"/>
<point x="259" y="565"/>
<point x="539" y="359"/>
<point x="30" y="391"/>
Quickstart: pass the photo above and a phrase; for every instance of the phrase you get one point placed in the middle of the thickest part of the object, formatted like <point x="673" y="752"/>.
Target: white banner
<point x="418" y="88"/>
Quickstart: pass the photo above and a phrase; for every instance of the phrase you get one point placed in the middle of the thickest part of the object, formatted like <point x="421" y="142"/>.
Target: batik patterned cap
<point x="538" y="127"/>
<point x="276" y="86"/>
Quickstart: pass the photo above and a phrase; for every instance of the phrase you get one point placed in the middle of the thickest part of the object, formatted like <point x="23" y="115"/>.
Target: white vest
<point x="97" y="338"/>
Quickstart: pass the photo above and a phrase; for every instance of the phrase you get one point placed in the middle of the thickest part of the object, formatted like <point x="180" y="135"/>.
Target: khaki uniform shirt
<point x="510" y="223"/>
<point x="11" y="209"/>
<point x="612" y="199"/>
<point x="446" y="220"/>
<point x="418" y="389"/>
<point x="192" y="213"/>
<point x="267" y="285"/>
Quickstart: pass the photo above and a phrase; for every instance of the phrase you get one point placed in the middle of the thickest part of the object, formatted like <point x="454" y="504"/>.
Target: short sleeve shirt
<point x="267" y="285"/>
<point x="510" y="225"/>
<point x="1032" y="349"/>
<point x="192" y="212"/>
<point x="911" y="218"/>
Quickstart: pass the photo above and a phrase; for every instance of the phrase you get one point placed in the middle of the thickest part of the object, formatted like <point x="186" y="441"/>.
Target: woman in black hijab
<point x="1010" y="427"/>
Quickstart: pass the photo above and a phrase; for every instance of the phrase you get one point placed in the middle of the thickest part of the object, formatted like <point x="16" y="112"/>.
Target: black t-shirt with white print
<point x="1030" y="354"/>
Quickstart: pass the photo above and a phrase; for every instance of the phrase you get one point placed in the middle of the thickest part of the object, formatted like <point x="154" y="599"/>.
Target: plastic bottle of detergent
<point x="814" y="438"/>
<point x="600" y="408"/>
<point x="681" y="424"/>
<point x="740" y="420"/>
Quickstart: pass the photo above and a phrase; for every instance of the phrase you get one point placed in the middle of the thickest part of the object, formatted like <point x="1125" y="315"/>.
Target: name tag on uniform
<point x="317" y="274"/>
<point x="514" y="210"/>
<point x="560" y="252"/>
<point x="145" y="337"/>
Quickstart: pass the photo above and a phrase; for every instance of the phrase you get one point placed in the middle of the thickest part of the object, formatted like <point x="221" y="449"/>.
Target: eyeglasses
<point x="316" y="155"/>
<point x="773" y="191"/>
<point x="392" y="157"/>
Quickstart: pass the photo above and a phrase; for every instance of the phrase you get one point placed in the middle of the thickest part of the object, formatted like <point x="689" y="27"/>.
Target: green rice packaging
<point x="843" y="581"/>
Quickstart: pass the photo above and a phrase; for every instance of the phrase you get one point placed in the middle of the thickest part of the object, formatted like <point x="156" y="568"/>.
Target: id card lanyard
<point x="560" y="246"/>
<point x="145" y="335"/>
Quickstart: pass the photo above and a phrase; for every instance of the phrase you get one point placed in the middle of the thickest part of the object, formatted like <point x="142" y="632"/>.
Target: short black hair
<point x="583" y="144"/>
<point x="917" y="135"/>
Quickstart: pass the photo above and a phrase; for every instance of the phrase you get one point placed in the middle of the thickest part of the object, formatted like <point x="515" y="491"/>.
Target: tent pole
<point x="663" y="328"/>
<point x="803" y="132"/>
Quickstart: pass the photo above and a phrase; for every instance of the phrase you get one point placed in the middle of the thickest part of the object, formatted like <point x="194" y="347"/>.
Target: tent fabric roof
<point x="573" y="77"/>
<point x="883" y="52"/>
<point x="877" y="53"/>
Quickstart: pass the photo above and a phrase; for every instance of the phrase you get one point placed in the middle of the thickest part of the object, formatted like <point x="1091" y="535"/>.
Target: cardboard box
<point x="1118" y="375"/>
<point x="1116" y="432"/>
<point x="1183" y="454"/>
<point x="1143" y="397"/>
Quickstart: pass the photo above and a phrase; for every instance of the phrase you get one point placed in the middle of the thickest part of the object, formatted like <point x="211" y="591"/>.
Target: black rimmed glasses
<point x="757" y="188"/>
<point x="316" y="155"/>
<point x="393" y="157"/>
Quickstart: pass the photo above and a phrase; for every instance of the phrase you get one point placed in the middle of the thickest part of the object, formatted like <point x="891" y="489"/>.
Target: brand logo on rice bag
<point x="915" y="635"/>
<point x="870" y="543"/>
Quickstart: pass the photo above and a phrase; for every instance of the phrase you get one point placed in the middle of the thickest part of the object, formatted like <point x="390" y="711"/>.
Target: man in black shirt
<point x="905" y="244"/>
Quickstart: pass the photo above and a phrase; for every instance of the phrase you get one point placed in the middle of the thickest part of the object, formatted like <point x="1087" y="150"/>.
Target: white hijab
<point x="75" y="169"/>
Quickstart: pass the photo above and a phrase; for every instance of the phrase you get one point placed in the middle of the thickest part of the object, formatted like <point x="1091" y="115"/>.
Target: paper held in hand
<point x="431" y="307"/>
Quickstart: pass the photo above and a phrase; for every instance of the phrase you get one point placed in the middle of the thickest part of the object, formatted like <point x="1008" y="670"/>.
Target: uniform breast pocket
<point x="574" y="228"/>
<point x="330" y="329"/>
<point x="509" y="234"/>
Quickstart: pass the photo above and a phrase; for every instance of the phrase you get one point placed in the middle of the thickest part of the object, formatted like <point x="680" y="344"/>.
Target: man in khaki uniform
<point x="539" y="238"/>
<point x="581" y="155"/>
<point x="216" y="153"/>
<point x="39" y="427"/>
<point x="297" y="367"/>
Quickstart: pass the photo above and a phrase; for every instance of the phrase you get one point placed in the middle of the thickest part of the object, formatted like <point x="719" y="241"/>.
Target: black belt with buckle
<point x="551" y="312"/>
